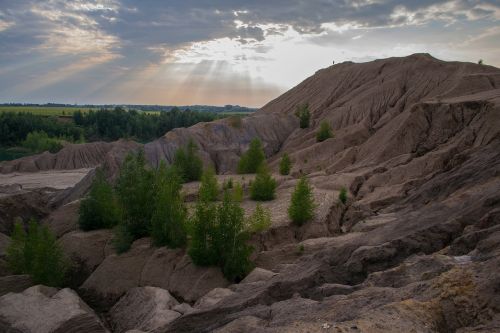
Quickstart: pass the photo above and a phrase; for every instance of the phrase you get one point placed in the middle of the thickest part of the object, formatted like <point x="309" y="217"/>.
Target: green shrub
<point x="99" y="209"/>
<point x="36" y="253"/>
<point x="136" y="195"/>
<point x="209" y="188"/>
<point x="202" y="226"/>
<point x="252" y="158"/>
<point x="228" y="184"/>
<point x="188" y="162"/>
<point x="285" y="164"/>
<point x="235" y="121"/>
<point x="168" y="222"/>
<point x="122" y="239"/>
<point x="230" y="239"/>
<point x="39" y="141"/>
<point x="218" y="237"/>
<point x="304" y="115"/>
<point x="343" y="195"/>
<point x="302" y="204"/>
<point x="264" y="185"/>
<point x="237" y="193"/>
<point x="260" y="220"/>
<point x="324" y="132"/>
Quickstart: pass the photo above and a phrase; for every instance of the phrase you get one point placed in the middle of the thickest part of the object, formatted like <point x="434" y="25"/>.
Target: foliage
<point x="304" y="115"/>
<point x="209" y="188"/>
<point x="95" y="125"/>
<point x="218" y="237"/>
<point x="15" y="127"/>
<point x="202" y="226"/>
<point x="285" y="164"/>
<point x="168" y="221"/>
<point x="187" y="161"/>
<point x="264" y="185"/>
<point x="230" y="240"/>
<point x="122" y="239"/>
<point x="343" y="195"/>
<point x="39" y="141"/>
<point x="100" y="208"/>
<point x="9" y="154"/>
<point x="36" y="253"/>
<point x="235" y="121"/>
<point x="252" y="158"/>
<point x="118" y="123"/>
<point x="136" y="195"/>
<point x="260" y="220"/>
<point x="302" y="203"/>
<point x="237" y="192"/>
<point x="228" y="184"/>
<point x="325" y="132"/>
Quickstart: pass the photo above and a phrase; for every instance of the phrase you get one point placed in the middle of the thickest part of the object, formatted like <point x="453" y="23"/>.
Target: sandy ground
<point x="58" y="179"/>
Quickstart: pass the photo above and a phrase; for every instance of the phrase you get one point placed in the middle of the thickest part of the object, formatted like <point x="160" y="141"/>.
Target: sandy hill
<point x="416" y="248"/>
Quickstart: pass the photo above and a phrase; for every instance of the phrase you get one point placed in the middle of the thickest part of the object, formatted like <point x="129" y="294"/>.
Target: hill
<point x="416" y="246"/>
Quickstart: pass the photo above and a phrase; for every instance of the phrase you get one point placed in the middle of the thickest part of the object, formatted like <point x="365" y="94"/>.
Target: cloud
<point x="99" y="48"/>
<point x="70" y="30"/>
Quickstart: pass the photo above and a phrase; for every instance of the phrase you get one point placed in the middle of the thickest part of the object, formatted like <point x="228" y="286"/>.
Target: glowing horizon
<point x="238" y="52"/>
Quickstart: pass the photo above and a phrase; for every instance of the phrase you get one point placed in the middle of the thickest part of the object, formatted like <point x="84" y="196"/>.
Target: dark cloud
<point x="144" y="23"/>
<point x="45" y="37"/>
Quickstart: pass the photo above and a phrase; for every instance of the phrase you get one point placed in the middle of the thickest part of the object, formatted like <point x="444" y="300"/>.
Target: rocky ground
<point x="416" y="248"/>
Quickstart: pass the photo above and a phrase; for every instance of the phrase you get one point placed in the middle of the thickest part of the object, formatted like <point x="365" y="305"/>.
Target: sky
<point x="217" y="52"/>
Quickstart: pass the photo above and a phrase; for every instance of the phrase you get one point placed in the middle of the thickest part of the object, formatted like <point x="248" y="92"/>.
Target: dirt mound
<point x="73" y="156"/>
<point x="415" y="247"/>
<point x="222" y="142"/>
<point x="416" y="143"/>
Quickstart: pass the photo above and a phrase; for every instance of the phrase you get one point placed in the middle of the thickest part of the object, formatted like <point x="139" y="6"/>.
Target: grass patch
<point x="45" y="111"/>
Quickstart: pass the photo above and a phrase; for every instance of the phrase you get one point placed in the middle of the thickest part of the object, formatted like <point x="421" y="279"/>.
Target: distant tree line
<point x="15" y="127"/>
<point x="118" y="123"/>
<point x="106" y="125"/>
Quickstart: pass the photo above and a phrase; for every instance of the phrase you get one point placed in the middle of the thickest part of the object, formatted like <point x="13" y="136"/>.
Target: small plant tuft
<point x="304" y="115"/>
<point x="235" y="121"/>
<point x="260" y="220"/>
<point x="252" y="158"/>
<point x="237" y="193"/>
<point x="302" y="203"/>
<point x="285" y="164"/>
<point x="228" y="184"/>
<point x="324" y="132"/>
<point x="343" y="195"/>
<point x="209" y="188"/>
<point x="187" y="161"/>
<point x="264" y="185"/>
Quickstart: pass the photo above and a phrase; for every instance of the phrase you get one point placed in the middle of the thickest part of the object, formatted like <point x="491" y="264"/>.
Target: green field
<point x="43" y="110"/>
<point x="242" y="113"/>
<point x="68" y="110"/>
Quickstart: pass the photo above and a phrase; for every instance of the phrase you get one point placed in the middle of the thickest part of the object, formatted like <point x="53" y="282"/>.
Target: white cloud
<point x="448" y="12"/>
<point x="4" y="25"/>
<point x="71" y="31"/>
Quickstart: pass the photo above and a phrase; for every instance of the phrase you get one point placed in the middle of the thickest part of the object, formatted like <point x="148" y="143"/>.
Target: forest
<point x="23" y="129"/>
